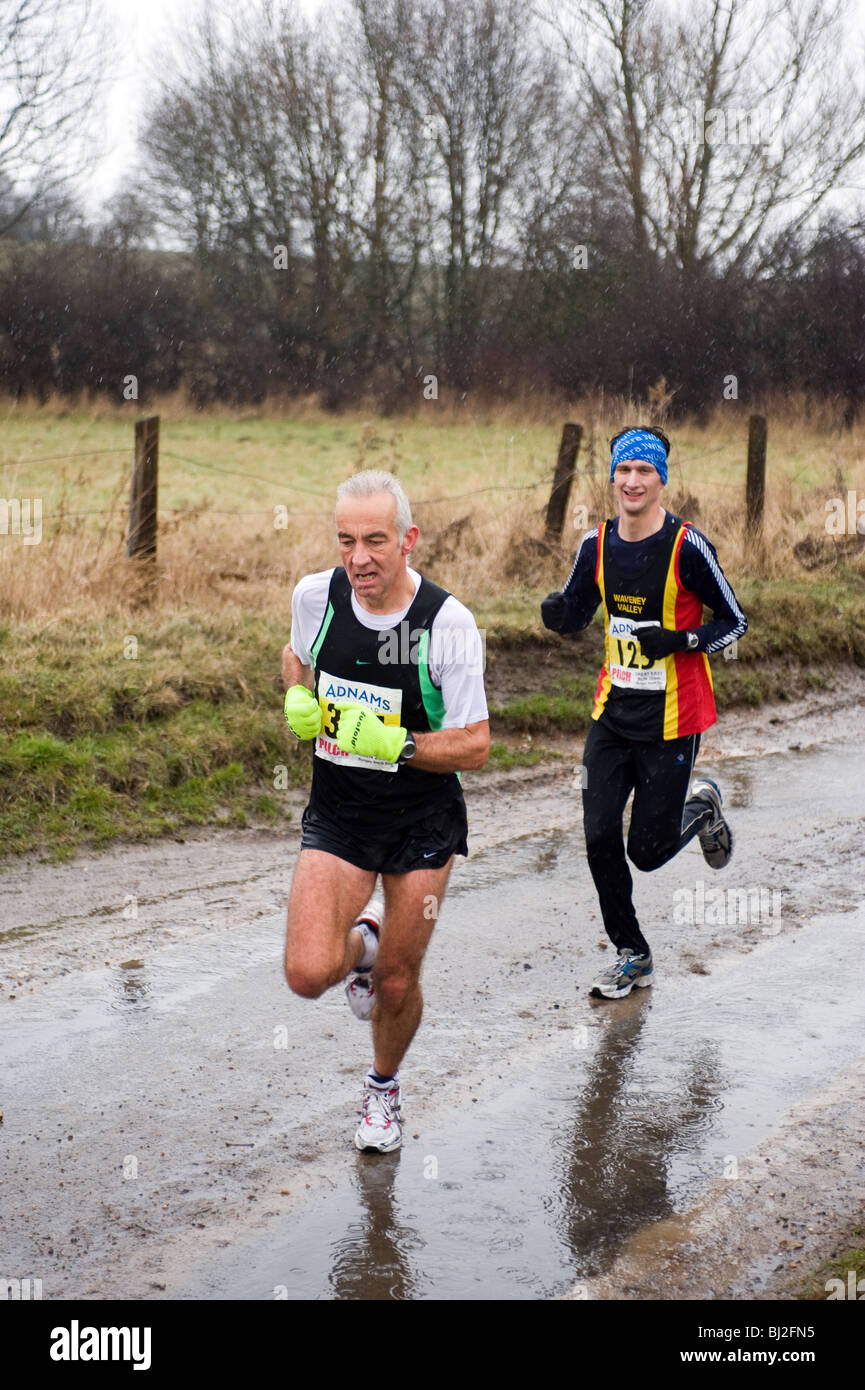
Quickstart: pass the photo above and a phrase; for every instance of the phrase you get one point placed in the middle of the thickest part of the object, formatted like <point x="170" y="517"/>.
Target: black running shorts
<point x="425" y="844"/>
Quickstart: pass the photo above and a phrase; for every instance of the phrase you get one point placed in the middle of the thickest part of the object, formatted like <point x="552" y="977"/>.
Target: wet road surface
<point x="179" y="1125"/>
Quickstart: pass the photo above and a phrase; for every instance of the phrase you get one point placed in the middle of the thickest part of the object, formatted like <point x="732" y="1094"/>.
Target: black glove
<point x="656" y="642"/>
<point x="553" y="610"/>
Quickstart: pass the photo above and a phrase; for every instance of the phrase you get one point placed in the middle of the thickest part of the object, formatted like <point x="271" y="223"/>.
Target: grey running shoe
<point x="716" y="841"/>
<point x="379" y="1127"/>
<point x="629" y="970"/>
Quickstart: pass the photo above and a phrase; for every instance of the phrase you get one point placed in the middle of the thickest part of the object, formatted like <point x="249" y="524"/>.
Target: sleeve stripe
<point x="718" y="575"/>
<point x="589" y="536"/>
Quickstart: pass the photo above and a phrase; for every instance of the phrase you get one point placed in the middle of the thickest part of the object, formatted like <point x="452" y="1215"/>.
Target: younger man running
<point x="654" y="574"/>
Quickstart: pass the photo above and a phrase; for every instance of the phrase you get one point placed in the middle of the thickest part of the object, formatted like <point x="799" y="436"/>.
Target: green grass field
<point x="132" y="707"/>
<point x="83" y="456"/>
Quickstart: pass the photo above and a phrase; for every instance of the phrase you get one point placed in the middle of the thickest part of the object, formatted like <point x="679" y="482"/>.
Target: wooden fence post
<point x="566" y="468"/>
<point x="755" y="487"/>
<point x="141" y="537"/>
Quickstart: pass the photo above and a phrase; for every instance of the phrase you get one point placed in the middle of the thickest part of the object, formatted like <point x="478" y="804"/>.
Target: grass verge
<point x="110" y="734"/>
<point x="846" y="1269"/>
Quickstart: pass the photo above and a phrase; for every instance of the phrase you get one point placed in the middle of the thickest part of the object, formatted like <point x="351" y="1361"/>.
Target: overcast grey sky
<point x="143" y="30"/>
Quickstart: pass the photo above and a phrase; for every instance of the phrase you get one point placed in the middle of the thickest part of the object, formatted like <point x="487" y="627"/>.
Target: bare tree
<point x="477" y="88"/>
<point x="721" y="124"/>
<point x="221" y="178"/>
<point x="392" y="149"/>
<point x="391" y="210"/>
<point x="310" y="101"/>
<point x="52" y="55"/>
<point x="251" y="148"/>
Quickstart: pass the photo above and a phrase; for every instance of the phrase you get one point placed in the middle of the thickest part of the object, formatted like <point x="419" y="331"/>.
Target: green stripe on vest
<point x="322" y="633"/>
<point x="433" y="702"/>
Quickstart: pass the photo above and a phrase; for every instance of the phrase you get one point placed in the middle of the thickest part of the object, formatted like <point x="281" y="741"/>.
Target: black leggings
<point x="662" y="821"/>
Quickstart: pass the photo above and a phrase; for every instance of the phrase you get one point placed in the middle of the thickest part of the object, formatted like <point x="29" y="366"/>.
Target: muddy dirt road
<point x="178" y="1125"/>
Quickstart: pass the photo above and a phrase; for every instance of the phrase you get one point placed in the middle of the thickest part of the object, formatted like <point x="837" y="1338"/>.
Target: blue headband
<point x="640" y="444"/>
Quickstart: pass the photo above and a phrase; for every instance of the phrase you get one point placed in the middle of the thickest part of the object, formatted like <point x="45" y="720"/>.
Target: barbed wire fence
<point x="751" y="486"/>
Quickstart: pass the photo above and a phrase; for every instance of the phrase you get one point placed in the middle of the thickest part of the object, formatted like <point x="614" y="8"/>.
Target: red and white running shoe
<point x="359" y="988"/>
<point x="379" y="1129"/>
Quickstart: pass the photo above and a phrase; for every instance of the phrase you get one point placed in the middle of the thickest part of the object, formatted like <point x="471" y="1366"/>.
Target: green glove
<point x="359" y="731"/>
<point x="302" y="712"/>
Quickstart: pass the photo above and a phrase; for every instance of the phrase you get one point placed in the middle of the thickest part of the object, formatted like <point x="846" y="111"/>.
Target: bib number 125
<point x="631" y="655"/>
<point x="630" y="668"/>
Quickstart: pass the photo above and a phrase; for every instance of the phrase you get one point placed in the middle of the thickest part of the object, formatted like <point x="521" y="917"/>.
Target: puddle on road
<point x="612" y="1124"/>
<point x="523" y="1196"/>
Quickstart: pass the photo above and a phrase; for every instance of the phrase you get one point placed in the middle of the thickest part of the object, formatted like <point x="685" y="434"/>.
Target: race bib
<point x="336" y="693"/>
<point x="629" y="668"/>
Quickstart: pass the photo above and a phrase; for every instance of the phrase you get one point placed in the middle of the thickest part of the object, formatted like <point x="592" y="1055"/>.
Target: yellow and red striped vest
<point x="689" y="700"/>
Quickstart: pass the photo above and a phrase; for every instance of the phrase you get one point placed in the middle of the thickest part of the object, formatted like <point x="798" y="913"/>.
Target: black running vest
<point x="388" y="673"/>
<point x="636" y="712"/>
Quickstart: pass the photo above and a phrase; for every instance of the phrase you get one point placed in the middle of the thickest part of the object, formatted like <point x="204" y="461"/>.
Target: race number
<point x="630" y="668"/>
<point x="334" y="693"/>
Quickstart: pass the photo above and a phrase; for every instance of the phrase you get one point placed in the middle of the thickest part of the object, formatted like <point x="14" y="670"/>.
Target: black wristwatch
<point x="409" y="749"/>
<point x="693" y="641"/>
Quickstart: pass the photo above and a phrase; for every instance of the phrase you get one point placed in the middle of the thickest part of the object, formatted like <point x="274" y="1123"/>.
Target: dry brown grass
<point x="488" y="546"/>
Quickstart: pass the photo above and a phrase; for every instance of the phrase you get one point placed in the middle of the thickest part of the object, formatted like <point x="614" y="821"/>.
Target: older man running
<point x="397" y="709"/>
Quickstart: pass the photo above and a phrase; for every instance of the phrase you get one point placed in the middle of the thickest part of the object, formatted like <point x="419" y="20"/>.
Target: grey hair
<point x="370" y="481"/>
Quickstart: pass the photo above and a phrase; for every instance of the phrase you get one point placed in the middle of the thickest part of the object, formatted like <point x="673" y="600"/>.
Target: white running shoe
<point x="379" y="1128"/>
<point x="359" y="988"/>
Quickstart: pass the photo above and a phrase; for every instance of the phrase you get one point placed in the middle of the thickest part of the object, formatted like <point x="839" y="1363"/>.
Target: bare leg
<point x="327" y="895"/>
<point x="412" y="903"/>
